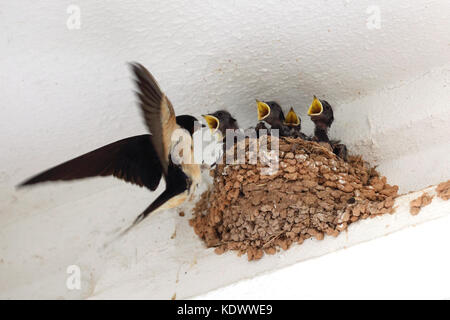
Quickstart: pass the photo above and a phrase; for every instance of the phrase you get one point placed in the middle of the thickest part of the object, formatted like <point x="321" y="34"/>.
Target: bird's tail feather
<point x="162" y="199"/>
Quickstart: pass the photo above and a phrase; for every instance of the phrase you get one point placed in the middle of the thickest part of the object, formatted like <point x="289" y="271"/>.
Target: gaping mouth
<point x="212" y="122"/>
<point x="292" y="119"/>
<point x="263" y="110"/>
<point x="316" y="108"/>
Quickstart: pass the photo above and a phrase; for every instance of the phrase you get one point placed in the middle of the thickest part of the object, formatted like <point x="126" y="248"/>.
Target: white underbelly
<point x="174" y="202"/>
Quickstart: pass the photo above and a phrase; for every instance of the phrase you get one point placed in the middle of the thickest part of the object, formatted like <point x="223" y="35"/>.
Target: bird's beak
<point x="263" y="110"/>
<point x="292" y="119"/>
<point x="316" y="108"/>
<point x="212" y="122"/>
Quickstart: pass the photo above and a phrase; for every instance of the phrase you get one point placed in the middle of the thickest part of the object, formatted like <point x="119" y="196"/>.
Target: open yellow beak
<point x="316" y="108"/>
<point x="212" y="122"/>
<point x="292" y="119"/>
<point x="263" y="110"/>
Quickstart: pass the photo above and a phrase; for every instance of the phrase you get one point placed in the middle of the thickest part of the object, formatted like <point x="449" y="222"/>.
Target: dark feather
<point x="276" y="117"/>
<point x="132" y="159"/>
<point x="321" y="134"/>
<point x="176" y="183"/>
<point x="187" y="122"/>
<point x="157" y="111"/>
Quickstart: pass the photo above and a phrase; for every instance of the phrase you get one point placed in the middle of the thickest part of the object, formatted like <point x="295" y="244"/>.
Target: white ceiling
<point x="64" y="92"/>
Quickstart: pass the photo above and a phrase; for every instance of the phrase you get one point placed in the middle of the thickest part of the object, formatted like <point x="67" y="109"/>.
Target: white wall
<point x="64" y="92"/>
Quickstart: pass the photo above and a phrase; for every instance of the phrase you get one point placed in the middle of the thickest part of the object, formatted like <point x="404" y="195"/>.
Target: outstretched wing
<point x="158" y="113"/>
<point x="132" y="159"/>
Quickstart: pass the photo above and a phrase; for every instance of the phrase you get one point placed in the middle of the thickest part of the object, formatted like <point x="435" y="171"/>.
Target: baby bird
<point x="321" y="113"/>
<point x="220" y="121"/>
<point x="293" y="125"/>
<point x="271" y="113"/>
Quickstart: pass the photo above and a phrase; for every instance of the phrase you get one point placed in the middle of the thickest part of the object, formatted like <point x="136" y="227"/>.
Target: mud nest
<point x="312" y="194"/>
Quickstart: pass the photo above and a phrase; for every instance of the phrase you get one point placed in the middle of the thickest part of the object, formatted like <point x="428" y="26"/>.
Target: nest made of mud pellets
<point x="312" y="193"/>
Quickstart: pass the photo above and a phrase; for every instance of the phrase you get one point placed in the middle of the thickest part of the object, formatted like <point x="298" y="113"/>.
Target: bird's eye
<point x="220" y="114"/>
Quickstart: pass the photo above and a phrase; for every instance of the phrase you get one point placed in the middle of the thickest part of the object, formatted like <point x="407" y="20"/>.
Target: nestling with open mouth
<point x="220" y="121"/>
<point x="321" y="113"/>
<point x="293" y="126"/>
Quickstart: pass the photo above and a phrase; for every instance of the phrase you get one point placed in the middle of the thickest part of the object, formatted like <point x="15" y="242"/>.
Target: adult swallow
<point x="143" y="159"/>
<point x="220" y="121"/>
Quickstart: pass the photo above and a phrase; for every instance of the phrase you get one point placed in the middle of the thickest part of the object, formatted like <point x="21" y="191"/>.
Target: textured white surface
<point x="403" y="265"/>
<point x="192" y="270"/>
<point x="64" y="92"/>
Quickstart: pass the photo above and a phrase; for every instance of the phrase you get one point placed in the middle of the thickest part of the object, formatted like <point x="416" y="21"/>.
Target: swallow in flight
<point x="143" y="159"/>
